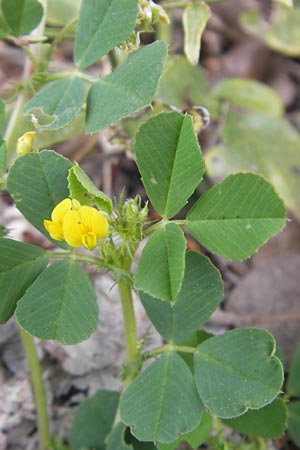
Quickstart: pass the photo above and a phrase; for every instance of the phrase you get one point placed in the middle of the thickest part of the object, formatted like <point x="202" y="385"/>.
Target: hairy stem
<point x="37" y="389"/>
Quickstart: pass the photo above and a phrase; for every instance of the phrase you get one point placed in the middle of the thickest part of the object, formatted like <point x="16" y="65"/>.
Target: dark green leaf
<point x="293" y="382"/>
<point x="20" y="264"/>
<point x="93" y="421"/>
<point x="199" y="296"/>
<point x="161" y="266"/>
<point x="56" y="104"/>
<point x="169" y="160"/>
<point x="102" y="26"/>
<point x="249" y="94"/>
<point x="60" y="305"/>
<point x="22" y="16"/>
<point x="237" y="371"/>
<point x="268" y="422"/>
<point x="128" y="89"/>
<point x="155" y="405"/>
<point x="294" y="421"/>
<point x="38" y="182"/>
<point x="83" y="189"/>
<point x="237" y="216"/>
<point x="254" y="142"/>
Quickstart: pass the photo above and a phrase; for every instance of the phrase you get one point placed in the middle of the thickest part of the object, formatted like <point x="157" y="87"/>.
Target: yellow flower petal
<point x="73" y="229"/>
<point x="24" y="144"/>
<point x="60" y="210"/>
<point x="54" y="229"/>
<point x="89" y="240"/>
<point x="94" y="221"/>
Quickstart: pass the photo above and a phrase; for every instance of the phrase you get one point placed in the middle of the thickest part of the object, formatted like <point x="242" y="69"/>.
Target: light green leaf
<point x="20" y="264"/>
<point x="254" y="142"/>
<point x="36" y="200"/>
<point x="22" y="16"/>
<point x="102" y="26"/>
<point x="60" y="305"/>
<point x="199" y="296"/>
<point x="93" y="421"/>
<point x="237" y="216"/>
<point x="268" y="422"/>
<point x="237" y="371"/>
<point x="288" y="3"/>
<point x="156" y="407"/>
<point x="161" y="266"/>
<point x="128" y="89"/>
<point x="194" y="19"/>
<point x="281" y="34"/>
<point x="196" y="437"/>
<point x="56" y="104"/>
<point x="83" y="189"/>
<point x="293" y="381"/>
<point x="170" y="161"/>
<point x="2" y="156"/>
<point x="294" y="421"/>
<point x="61" y="12"/>
<point x="182" y="85"/>
<point x="249" y="94"/>
<point x="116" y="438"/>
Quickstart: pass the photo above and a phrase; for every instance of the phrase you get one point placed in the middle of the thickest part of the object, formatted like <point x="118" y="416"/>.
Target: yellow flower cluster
<point x="76" y="224"/>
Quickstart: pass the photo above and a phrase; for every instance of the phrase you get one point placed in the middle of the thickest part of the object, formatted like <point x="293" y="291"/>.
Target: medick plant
<point x="194" y="380"/>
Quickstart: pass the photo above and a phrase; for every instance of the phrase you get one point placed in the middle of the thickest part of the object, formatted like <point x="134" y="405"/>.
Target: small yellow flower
<point x="55" y="226"/>
<point x="24" y="144"/>
<point x="77" y="225"/>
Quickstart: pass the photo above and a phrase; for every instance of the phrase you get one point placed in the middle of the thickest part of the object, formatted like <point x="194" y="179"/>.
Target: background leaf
<point x="294" y="421"/>
<point x="170" y="161"/>
<point x="36" y="200"/>
<point x="237" y="371"/>
<point x="57" y="103"/>
<point x="268" y="422"/>
<point x="196" y="437"/>
<point x="93" y="421"/>
<point x="20" y="264"/>
<point x="22" y="16"/>
<point x="161" y="265"/>
<point x="60" y="305"/>
<point x="83" y="189"/>
<point x="60" y="12"/>
<point x="116" y="438"/>
<point x="200" y="293"/>
<point x="194" y="19"/>
<point x="2" y="155"/>
<point x="102" y="26"/>
<point x="155" y="405"/>
<point x="254" y="142"/>
<point x="128" y="89"/>
<point x="237" y="216"/>
<point x="293" y="381"/>
<point x="249" y="94"/>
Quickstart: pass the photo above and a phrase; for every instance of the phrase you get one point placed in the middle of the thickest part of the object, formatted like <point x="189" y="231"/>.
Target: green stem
<point x="72" y="73"/>
<point x="38" y="389"/>
<point x="166" y="349"/>
<point x="129" y="325"/>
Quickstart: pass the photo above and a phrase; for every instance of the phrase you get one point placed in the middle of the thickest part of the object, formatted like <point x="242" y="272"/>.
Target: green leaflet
<point x="170" y="161"/>
<point x="60" y="305"/>
<point x="130" y="88"/>
<point x="20" y="264"/>
<point x="36" y="200"/>
<point x="155" y="405"/>
<point x="161" y="265"/>
<point x="237" y="371"/>
<point x="102" y="26"/>
<point x="94" y="420"/>
<point x="22" y="16"/>
<point x="200" y="293"/>
<point x="237" y="216"/>
<point x="57" y="103"/>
